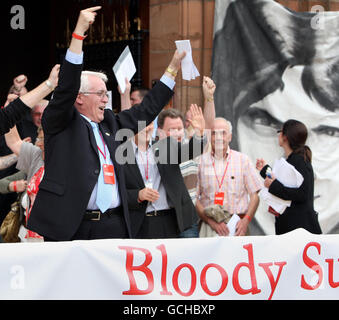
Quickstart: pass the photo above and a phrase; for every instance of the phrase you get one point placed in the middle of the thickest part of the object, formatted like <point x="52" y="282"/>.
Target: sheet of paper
<point x="279" y="205"/>
<point x="188" y="68"/>
<point x="289" y="177"/>
<point x="124" y="68"/>
<point x="232" y="224"/>
<point x="109" y="103"/>
<point x="287" y="174"/>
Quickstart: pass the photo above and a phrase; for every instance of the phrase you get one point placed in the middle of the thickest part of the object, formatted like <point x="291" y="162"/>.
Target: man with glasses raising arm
<point x="83" y="195"/>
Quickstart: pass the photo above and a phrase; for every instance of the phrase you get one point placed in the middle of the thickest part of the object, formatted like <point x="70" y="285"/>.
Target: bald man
<point x="227" y="178"/>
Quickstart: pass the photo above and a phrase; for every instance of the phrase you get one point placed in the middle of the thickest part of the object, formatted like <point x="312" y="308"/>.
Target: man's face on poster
<point x="258" y="138"/>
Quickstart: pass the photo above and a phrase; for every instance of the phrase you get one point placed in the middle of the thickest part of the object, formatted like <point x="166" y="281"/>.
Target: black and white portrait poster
<point x="271" y="64"/>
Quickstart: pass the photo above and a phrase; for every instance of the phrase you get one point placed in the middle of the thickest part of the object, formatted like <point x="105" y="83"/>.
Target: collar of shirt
<point x="227" y="153"/>
<point x="88" y="119"/>
<point x="136" y="148"/>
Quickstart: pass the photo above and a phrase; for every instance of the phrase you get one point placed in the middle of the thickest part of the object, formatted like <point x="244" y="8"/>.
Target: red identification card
<point x="108" y="171"/>
<point x="219" y="198"/>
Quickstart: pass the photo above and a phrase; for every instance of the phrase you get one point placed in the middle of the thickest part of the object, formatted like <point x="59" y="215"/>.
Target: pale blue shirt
<point x="116" y="201"/>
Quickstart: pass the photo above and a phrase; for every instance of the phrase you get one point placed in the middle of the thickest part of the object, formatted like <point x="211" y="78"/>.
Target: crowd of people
<point x="174" y="176"/>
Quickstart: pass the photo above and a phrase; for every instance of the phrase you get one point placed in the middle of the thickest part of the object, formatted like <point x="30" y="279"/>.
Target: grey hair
<point x="85" y="83"/>
<point x="226" y="121"/>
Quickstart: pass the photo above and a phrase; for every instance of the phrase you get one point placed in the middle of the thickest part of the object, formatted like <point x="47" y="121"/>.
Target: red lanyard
<point x="223" y="177"/>
<point x="146" y="168"/>
<point x="103" y="142"/>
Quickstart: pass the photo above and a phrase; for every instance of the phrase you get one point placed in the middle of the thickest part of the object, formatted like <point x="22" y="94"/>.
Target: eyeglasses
<point x="219" y="132"/>
<point x="278" y="131"/>
<point x="100" y="94"/>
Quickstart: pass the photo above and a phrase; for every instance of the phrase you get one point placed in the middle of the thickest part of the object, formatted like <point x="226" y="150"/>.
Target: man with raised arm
<point x="83" y="194"/>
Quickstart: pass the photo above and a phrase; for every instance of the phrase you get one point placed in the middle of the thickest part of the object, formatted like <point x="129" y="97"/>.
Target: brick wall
<point x="177" y="20"/>
<point x="193" y="19"/>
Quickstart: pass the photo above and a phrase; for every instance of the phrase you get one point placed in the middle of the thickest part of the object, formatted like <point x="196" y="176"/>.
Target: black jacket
<point x="168" y="154"/>
<point x="11" y="114"/>
<point x="72" y="162"/>
<point x="301" y="213"/>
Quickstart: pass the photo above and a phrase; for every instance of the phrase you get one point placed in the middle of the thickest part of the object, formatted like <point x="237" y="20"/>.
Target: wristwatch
<point x="49" y="85"/>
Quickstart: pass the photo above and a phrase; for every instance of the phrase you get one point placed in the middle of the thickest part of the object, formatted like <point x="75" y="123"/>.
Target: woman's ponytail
<point x="307" y="153"/>
<point x="296" y="133"/>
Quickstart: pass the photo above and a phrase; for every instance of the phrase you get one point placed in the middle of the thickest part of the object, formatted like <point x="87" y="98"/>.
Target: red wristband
<point x="14" y="186"/>
<point x="76" y="36"/>
<point x="248" y="217"/>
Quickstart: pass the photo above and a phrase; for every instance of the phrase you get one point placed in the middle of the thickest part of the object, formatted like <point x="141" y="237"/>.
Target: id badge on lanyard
<point x="148" y="180"/>
<point x="107" y="169"/>
<point x="149" y="184"/>
<point x="219" y="196"/>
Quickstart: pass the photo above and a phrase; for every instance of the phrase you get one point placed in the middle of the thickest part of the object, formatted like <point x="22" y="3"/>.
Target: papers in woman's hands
<point x="124" y="68"/>
<point x="286" y="174"/>
<point x="188" y="68"/>
<point x="279" y="205"/>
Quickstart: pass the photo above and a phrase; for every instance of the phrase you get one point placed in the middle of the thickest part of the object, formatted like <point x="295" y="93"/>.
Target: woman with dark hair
<point x="300" y="214"/>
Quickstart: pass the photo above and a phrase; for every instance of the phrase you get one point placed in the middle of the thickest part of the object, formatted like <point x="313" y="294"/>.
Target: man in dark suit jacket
<point x="80" y="150"/>
<point x="159" y="203"/>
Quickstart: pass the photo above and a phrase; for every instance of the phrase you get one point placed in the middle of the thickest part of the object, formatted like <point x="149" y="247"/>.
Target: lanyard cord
<point x="215" y="172"/>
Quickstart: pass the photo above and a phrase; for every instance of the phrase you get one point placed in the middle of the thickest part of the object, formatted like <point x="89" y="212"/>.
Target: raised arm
<point x="195" y="147"/>
<point x="198" y="120"/>
<point x="60" y="110"/>
<point x="16" y="107"/>
<point x="19" y="85"/>
<point x="208" y="88"/>
<point x="155" y="100"/>
<point x="86" y="18"/>
<point x="13" y="140"/>
<point x="34" y="96"/>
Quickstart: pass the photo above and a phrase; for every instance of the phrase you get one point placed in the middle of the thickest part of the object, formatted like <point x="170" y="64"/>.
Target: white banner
<point x="297" y="265"/>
